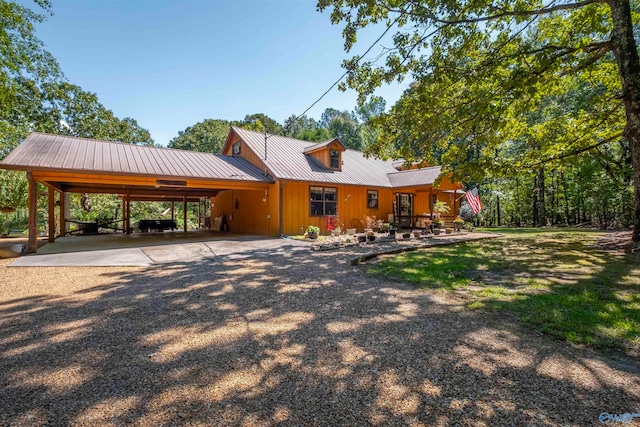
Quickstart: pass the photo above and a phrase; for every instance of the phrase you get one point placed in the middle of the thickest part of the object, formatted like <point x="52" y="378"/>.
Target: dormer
<point x="328" y="153"/>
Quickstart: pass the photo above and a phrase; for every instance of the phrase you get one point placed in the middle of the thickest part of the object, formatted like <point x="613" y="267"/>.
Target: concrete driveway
<point x="139" y="250"/>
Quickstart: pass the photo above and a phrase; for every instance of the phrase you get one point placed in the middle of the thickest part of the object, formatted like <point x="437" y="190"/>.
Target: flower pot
<point x="417" y="233"/>
<point x="371" y="238"/>
<point x="351" y="231"/>
<point x="458" y="226"/>
<point x="406" y="235"/>
<point x="392" y="233"/>
<point x="313" y="236"/>
<point x="448" y="231"/>
<point x="362" y="239"/>
<point x="436" y="231"/>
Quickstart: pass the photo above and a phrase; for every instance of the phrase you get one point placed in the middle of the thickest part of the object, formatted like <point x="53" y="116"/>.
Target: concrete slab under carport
<point x="144" y="249"/>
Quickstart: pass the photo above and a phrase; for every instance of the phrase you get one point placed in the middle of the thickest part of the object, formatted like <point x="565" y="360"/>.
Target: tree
<point x="295" y="126"/>
<point x="344" y="126"/>
<point x="69" y="110"/>
<point x="486" y="65"/>
<point x="207" y="136"/>
<point x="259" y="121"/>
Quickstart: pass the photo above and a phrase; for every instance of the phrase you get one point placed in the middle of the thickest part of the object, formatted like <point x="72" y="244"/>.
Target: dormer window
<point x="235" y="150"/>
<point x="334" y="159"/>
<point x="328" y="153"/>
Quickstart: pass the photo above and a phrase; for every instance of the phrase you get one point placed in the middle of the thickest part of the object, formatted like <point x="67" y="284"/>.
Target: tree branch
<point x="513" y="13"/>
<point x="574" y="153"/>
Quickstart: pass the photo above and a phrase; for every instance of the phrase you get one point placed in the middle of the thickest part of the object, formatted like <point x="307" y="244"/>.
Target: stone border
<point x="432" y="242"/>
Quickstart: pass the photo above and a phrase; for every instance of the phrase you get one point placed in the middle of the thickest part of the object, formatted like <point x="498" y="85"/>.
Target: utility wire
<point x="347" y="72"/>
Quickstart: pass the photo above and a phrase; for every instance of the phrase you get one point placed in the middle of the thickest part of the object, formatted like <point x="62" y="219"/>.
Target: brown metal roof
<point x="321" y="145"/>
<point x="40" y="151"/>
<point x="414" y="177"/>
<point x="286" y="160"/>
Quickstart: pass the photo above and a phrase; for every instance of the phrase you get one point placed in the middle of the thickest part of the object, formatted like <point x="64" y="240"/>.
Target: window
<point x="236" y="148"/>
<point x="324" y="201"/>
<point x="334" y="159"/>
<point x="372" y="199"/>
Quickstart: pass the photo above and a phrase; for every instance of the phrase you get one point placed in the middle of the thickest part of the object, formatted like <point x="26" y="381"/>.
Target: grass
<point x="552" y="281"/>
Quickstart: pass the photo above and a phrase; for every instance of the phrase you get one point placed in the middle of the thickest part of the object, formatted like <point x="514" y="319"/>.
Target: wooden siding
<point x="245" y="152"/>
<point x="352" y="204"/>
<point x="249" y="212"/>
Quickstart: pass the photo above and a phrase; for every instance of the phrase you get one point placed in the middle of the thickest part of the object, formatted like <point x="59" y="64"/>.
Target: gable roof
<point x="287" y="159"/>
<point x="41" y="151"/>
<point x="320" y="145"/>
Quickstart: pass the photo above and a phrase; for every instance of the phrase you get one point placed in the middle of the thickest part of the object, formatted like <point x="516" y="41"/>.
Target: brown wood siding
<point x="245" y="152"/>
<point x="352" y="205"/>
<point x="248" y="212"/>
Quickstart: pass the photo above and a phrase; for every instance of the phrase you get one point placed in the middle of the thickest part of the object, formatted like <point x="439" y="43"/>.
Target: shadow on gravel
<point x="284" y="338"/>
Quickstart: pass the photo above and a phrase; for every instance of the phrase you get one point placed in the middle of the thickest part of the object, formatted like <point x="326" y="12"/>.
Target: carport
<point x="68" y="164"/>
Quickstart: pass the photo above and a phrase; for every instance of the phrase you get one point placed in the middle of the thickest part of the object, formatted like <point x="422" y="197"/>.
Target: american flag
<point x="473" y="198"/>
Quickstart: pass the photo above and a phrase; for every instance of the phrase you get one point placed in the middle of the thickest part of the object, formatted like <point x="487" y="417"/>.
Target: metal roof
<point x="40" y="151"/>
<point x="286" y="159"/>
<point x="321" y="145"/>
<point x="414" y="177"/>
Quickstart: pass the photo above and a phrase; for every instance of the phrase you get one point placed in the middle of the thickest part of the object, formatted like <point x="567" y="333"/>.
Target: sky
<point x="171" y="64"/>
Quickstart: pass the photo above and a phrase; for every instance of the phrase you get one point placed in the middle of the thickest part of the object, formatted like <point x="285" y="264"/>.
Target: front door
<point x="405" y="209"/>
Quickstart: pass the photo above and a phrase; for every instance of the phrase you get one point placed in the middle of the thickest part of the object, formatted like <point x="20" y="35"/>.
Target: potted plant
<point x="458" y="223"/>
<point x="371" y="236"/>
<point x="362" y="238"/>
<point x="417" y="233"/>
<point x="440" y="208"/>
<point x="448" y="230"/>
<point x="313" y="232"/>
<point x="405" y="234"/>
<point x="371" y="223"/>
<point x="392" y="230"/>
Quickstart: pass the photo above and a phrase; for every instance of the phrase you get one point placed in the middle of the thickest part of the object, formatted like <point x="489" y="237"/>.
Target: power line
<point x="347" y="72"/>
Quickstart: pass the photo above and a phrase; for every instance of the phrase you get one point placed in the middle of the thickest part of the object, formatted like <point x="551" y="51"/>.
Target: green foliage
<point x="14" y="189"/>
<point x="259" y="121"/>
<point x="207" y="136"/>
<point x="596" y="302"/>
<point x="503" y="87"/>
<point x="34" y="96"/>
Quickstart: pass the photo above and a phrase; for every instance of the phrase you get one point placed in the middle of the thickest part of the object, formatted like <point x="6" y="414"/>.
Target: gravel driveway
<point x="280" y="337"/>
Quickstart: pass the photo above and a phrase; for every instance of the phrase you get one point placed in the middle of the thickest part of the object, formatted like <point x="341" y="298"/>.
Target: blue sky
<point x="171" y="64"/>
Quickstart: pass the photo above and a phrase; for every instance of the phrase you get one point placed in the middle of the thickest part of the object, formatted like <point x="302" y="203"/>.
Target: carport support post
<point x="128" y="221"/>
<point x="184" y="212"/>
<point x="199" y="201"/>
<point x="32" y="243"/>
<point x="173" y="213"/>
<point x="63" y="220"/>
<point x="52" y="215"/>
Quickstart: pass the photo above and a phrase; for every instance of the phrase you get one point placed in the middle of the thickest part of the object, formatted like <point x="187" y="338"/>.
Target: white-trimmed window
<point x="235" y="149"/>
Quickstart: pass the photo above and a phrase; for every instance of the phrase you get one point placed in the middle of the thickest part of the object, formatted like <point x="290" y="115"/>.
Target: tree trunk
<point x="542" y="219"/>
<point x="535" y="201"/>
<point x="566" y="198"/>
<point x="498" y="209"/>
<point x="626" y="53"/>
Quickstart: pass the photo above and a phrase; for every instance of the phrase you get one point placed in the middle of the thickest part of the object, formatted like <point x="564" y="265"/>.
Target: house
<point x="264" y="184"/>
<point x="315" y="182"/>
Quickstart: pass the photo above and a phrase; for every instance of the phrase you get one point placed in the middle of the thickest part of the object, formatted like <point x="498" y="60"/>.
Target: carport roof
<point x="46" y="152"/>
